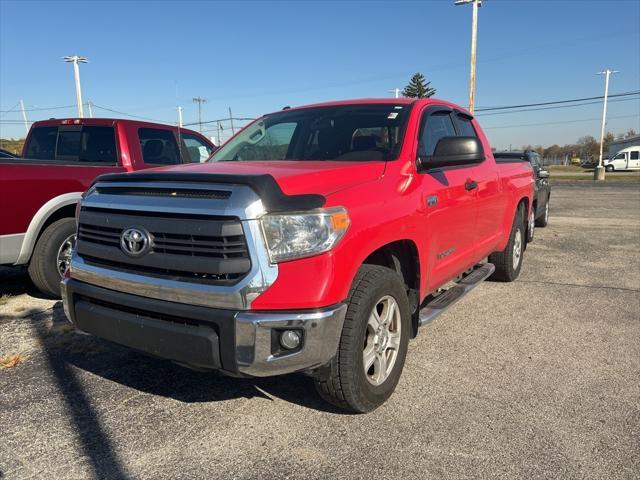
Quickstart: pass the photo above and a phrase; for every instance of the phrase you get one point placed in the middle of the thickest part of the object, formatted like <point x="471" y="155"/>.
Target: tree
<point x="608" y="138"/>
<point x="589" y="147"/>
<point x="418" y="87"/>
<point x="630" y="133"/>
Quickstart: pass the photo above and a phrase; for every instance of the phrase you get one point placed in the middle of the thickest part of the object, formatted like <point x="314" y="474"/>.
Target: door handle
<point x="470" y="185"/>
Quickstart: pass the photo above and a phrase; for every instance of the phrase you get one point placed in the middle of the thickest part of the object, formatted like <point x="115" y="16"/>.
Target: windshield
<point x="345" y="132"/>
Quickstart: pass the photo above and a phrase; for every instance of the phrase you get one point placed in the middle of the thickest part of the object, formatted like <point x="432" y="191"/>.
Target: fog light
<point x="290" y="339"/>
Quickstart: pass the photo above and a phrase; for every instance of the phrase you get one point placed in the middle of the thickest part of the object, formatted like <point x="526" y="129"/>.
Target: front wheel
<point x="609" y="168"/>
<point x="52" y="255"/>
<point x="373" y="346"/>
<point x="508" y="262"/>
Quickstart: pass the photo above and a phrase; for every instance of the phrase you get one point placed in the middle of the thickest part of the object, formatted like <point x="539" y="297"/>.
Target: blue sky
<point x="257" y="56"/>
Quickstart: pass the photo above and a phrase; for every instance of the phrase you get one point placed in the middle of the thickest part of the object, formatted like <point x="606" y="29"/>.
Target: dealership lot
<point x="533" y="379"/>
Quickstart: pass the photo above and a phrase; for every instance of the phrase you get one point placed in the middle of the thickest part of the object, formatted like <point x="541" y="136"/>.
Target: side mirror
<point x="543" y="174"/>
<point x="453" y="151"/>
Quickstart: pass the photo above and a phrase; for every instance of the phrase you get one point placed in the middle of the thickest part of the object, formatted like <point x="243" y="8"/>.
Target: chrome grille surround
<point x="242" y="203"/>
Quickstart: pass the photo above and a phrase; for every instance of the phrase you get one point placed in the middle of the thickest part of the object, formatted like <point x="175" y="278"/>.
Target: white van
<point x="626" y="159"/>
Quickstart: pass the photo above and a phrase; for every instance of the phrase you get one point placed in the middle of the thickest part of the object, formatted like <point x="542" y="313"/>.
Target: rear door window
<point x="42" y="143"/>
<point x="98" y="145"/>
<point x="197" y="150"/>
<point x="159" y="146"/>
<point x="635" y="155"/>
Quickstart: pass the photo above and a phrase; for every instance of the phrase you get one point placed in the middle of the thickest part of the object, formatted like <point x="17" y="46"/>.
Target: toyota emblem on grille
<point x="135" y="242"/>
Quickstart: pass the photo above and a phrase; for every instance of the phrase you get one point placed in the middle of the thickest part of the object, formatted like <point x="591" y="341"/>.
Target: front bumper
<point x="235" y="341"/>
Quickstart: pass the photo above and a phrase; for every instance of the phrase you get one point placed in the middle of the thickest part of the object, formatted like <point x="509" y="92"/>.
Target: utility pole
<point x="199" y="100"/>
<point x="233" y="130"/>
<point x="24" y="116"/>
<point x="474" y="36"/>
<point x="89" y="108"/>
<point x="396" y="92"/>
<point x="599" y="171"/>
<point x="75" y="59"/>
<point x="180" y="117"/>
<point x="219" y="132"/>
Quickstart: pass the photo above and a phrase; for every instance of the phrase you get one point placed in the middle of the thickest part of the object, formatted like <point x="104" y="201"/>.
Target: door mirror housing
<point x="453" y="151"/>
<point x="543" y="174"/>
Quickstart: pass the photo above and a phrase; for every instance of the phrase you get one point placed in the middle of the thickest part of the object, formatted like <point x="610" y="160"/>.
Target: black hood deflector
<point x="273" y="198"/>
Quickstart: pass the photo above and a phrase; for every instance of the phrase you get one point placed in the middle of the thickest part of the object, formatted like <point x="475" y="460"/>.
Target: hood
<point x="321" y="177"/>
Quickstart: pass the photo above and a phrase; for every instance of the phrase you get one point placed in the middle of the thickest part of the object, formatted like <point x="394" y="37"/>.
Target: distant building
<point x="615" y="147"/>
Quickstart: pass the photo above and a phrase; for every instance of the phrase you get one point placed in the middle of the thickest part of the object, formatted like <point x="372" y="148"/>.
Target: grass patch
<point x="11" y="361"/>
<point x="566" y="168"/>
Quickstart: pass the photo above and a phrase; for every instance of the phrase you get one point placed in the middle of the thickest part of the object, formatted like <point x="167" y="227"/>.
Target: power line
<point x="562" y="122"/>
<point x="625" y="94"/>
<point x="226" y="119"/>
<point x="40" y="109"/>
<point x="128" y="114"/>
<point x="506" y="112"/>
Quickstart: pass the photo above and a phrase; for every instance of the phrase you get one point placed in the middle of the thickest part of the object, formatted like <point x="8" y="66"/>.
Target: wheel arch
<point x="403" y="257"/>
<point x="58" y="207"/>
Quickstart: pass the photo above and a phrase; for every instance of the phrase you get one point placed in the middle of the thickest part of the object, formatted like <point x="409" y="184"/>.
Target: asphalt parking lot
<point x="535" y="379"/>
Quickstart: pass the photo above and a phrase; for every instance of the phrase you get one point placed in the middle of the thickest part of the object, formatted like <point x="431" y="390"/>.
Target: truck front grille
<point x="196" y="248"/>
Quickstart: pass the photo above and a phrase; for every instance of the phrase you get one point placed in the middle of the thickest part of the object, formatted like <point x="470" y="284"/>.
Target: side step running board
<point x="441" y="302"/>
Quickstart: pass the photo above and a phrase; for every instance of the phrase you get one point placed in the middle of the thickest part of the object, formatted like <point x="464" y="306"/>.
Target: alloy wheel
<point x="63" y="259"/>
<point x="382" y="340"/>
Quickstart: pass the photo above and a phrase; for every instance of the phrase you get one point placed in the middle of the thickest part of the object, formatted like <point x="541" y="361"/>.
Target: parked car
<point x="626" y="159"/>
<point x="539" y="215"/>
<point x="6" y="154"/>
<point x="317" y="239"/>
<point x="590" y="163"/>
<point x="38" y="193"/>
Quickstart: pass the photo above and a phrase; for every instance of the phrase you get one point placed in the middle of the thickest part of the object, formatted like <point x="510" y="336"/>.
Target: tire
<point x="43" y="267"/>
<point x="609" y="168"/>
<point x="531" y="225"/>
<point x="543" y="220"/>
<point x="344" y="382"/>
<point x="507" y="267"/>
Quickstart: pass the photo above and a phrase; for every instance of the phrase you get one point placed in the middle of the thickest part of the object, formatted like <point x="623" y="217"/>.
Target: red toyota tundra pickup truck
<point x="39" y="192"/>
<point x="319" y="239"/>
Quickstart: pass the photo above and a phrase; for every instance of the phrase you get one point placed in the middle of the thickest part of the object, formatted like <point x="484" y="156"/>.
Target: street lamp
<point x="599" y="171"/>
<point x="474" y="36"/>
<point x="76" y="59"/>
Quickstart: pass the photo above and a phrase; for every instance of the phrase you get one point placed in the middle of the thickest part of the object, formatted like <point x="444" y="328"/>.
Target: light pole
<point x="199" y="100"/>
<point x="75" y="59"/>
<point x="24" y="116"/>
<point x="599" y="171"/>
<point x="474" y="36"/>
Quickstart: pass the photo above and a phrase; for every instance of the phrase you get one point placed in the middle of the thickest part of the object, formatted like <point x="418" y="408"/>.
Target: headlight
<point x="297" y="235"/>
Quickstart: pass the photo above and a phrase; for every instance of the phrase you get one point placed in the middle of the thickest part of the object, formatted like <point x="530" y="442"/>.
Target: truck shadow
<point x="16" y="281"/>
<point x="63" y="348"/>
<point x="160" y="377"/>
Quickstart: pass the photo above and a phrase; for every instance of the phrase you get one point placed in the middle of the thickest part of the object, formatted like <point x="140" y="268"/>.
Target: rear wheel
<point x="52" y="255"/>
<point x="508" y="262"/>
<point x="531" y="225"/>
<point x="544" y="219"/>
<point x="373" y="346"/>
